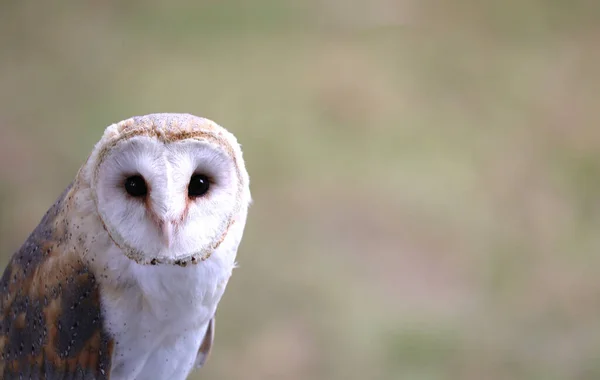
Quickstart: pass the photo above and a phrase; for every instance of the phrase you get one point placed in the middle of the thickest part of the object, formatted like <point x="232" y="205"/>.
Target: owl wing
<point x="51" y="325"/>
<point x="206" y="344"/>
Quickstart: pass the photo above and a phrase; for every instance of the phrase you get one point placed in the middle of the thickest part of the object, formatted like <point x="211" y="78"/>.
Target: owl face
<point x="169" y="191"/>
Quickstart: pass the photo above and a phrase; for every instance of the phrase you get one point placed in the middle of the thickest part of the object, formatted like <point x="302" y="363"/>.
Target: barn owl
<point x="121" y="278"/>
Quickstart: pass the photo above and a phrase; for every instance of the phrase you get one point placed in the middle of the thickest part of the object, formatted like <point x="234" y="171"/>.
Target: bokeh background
<point x="426" y="174"/>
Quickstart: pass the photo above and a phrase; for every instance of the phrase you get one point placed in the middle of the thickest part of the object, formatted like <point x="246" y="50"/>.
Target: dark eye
<point x="198" y="186"/>
<point x="136" y="186"/>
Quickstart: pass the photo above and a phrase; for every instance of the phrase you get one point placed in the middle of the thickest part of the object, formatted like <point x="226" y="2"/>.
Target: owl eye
<point x="136" y="186"/>
<point x="199" y="184"/>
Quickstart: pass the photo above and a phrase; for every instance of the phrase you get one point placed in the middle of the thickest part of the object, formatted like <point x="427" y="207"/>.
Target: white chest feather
<point x="159" y="315"/>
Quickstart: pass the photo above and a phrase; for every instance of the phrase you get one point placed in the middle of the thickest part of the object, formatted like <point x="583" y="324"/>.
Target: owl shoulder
<point x="50" y="317"/>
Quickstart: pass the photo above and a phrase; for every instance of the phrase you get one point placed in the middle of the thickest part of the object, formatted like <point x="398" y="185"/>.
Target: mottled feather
<point x="51" y="324"/>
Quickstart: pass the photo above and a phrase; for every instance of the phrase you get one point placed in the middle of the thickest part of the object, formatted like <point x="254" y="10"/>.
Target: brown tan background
<point x="426" y="174"/>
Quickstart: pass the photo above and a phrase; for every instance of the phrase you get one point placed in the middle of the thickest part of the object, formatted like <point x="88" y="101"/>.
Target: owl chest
<point x="158" y="324"/>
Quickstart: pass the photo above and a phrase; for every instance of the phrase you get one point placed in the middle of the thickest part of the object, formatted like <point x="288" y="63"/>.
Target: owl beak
<point x="167" y="233"/>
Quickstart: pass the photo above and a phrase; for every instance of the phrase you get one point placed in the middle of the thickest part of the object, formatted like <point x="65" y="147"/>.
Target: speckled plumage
<point x="96" y="292"/>
<point x="51" y="326"/>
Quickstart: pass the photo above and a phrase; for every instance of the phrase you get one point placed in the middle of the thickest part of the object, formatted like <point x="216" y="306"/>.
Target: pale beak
<point x="167" y="233"/>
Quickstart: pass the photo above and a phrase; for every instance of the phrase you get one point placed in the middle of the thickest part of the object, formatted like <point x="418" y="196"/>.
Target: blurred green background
<point x="426" y="174"/>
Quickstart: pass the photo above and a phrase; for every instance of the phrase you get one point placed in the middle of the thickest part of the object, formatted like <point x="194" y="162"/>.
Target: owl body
<point x="160" y="320"/>
<point x="122" y="277"/>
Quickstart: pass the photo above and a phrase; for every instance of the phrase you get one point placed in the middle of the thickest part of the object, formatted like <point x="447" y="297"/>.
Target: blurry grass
<point x="424" y="173"/>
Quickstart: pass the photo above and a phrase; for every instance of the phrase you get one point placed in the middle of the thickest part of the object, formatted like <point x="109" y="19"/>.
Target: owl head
<point x="168" y="188"/>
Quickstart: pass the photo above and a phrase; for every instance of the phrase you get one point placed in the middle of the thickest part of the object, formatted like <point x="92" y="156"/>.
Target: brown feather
<point x="51" y="324"/>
